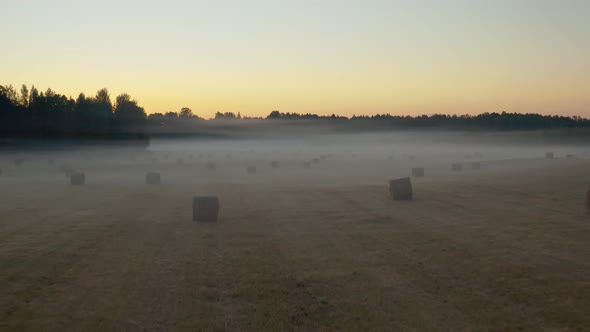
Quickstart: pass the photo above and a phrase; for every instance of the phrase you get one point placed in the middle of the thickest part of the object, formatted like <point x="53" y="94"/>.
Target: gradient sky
<point x="321" y="56"/>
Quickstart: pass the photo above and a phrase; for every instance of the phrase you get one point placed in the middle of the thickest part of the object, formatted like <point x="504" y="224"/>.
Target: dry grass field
<point x="501" y="249"/>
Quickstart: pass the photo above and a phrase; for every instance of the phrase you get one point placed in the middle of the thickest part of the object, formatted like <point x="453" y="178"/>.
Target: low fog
<point x="335" y="159"/>
<point x="295" y="232"/>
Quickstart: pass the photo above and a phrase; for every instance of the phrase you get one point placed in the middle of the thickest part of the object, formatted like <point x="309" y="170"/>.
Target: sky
<point x="319" y="56"/>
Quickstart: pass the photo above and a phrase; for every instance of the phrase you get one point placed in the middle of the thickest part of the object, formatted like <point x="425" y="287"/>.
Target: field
<point x="503" y="249"/>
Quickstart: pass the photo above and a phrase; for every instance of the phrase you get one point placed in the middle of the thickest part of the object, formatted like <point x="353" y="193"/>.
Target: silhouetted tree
<point x="186" y="112"/>
<point x="130" y="117"/>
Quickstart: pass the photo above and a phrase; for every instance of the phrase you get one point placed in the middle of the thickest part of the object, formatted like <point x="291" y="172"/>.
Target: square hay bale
<point x="251" y="169"/>
<point x="476" y="166"/>
<point x="401" y="189"/>
<point x="307" y="164"/>
<point x="77" y="178"/>
<point x="418" y="172"/>
<point x="210" y="165"/>
<point x="549" y="155"/>
<point x="456" y="167"/>
<point x="152" y="178"/>
<point x="205" y="208"/>
<point x="274" y="164"/>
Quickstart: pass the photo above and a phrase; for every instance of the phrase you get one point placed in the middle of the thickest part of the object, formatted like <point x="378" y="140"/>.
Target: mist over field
<point x="295" y="246"/>
<point x="294" y="165"/>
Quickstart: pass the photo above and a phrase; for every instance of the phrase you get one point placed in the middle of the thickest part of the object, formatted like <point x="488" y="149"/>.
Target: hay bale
<point x="476" y="166"/>
<point x="251" y="169"/>
<point x="274" y="164"/>
<point x="77" y="178"/>
<point x="307" y="164"/>
<point x="152" y="178"/>
<point x="549" y="155"/>
<point x="316" y="161"/>
<point x="210" y="165"/>
<point x="418" y="172"/>
<point x="205" y="208"/>
<point x="456" y="167"/>
<point x="570" y="156"/>
<point x="401" y="189"/>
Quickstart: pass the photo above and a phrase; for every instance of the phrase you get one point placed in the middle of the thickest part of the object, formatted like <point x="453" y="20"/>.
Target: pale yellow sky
<point x="344" y="57"/>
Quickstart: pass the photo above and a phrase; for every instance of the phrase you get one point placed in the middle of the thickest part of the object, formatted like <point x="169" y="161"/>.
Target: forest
<point x="30" y="113"/>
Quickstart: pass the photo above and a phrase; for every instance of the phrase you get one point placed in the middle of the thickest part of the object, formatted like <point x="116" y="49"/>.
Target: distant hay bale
<point x="274" y="164"/>
<point x="401" y="189"/>
<point x="251" y="169"/>
<point x="315" y="161"/>
<point x="210" y="165"/>
<point x="179" y="162"/>
<point x="307" y="164"/>
<point x="77" y="178"/>
<point x="570" y="156"/>
<point x="476" y="166"/>
<point x="205" y="208"/>
<point x="418" y="172"/>
<point x="549" y="155"/>
<point x="456" y="167"/>
<point x="152" y="178"/>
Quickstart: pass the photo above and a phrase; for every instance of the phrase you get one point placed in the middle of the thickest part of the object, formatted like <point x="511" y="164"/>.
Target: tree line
<point x="31" y="113"/>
